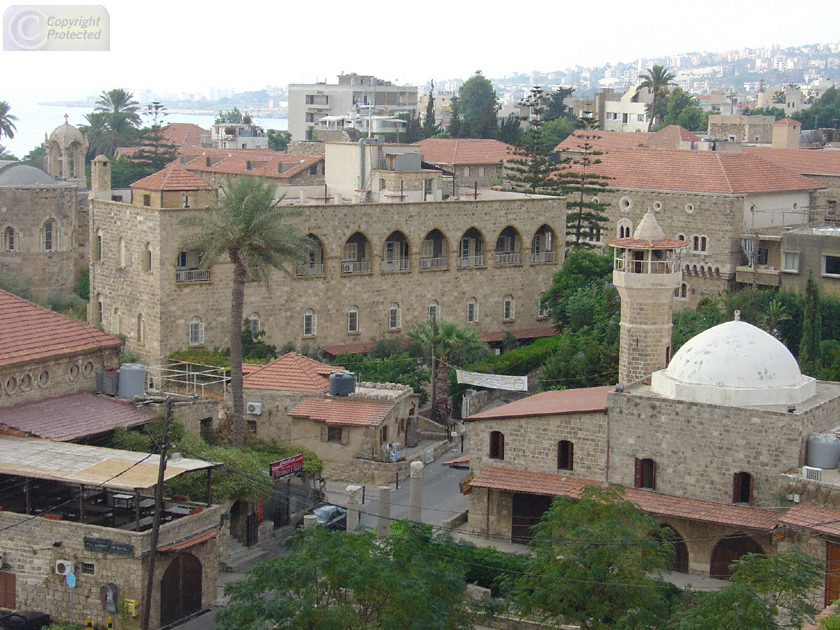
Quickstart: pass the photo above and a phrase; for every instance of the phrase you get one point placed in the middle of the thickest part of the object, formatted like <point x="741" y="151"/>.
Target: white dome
<point x="734" y="363"/>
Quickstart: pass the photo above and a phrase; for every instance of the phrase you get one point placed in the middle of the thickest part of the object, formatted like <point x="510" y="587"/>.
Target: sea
<point x="35" y="118"/>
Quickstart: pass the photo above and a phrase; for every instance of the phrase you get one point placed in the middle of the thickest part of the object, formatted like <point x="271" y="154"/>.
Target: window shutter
<point x="736" y="488"/>
<point x="201" y="332"/>
<point x="501" y="445"/>
<point x="345" y="436"/>
<point x="639" y="475"/>
<point x="571" y="455"/>
<point x="652" y="474"/>
<point x="324" y="433"/>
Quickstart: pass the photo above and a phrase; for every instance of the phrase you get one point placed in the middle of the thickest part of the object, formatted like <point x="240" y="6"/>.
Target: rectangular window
<point x="790" y="262"/>
<point x="350" y="252"/>
<point x="497" y="445"/>
<point x="565" y="455"/>
<point x="471" y="312"/>
<point x="762" y="256"/>
<point x="310" y="117"/>
<point x="182" y="260"/>
<point x="394" y="318"/>
<point x="383" y="434"/>
<point x="334" y="434"/>
<point x="308" y="325"/>
<point x="645" y="474"/>
<point x="196" y="333"/>
<point x="831" y="265"/>
<point x="624" y="118"/>
<point x="252" y="426"/>
<point x="88" y="568"/>
<point x="352" y="322"/>
<point x="147" y="200"/>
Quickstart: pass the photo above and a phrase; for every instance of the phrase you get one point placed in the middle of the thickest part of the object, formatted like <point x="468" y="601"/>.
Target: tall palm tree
<point x="119" y="101"/>
<point x="252" y="230"/>
<point x="656" y="80"/>
<point x="7" y="121"/>
<point x="448" y="342"/>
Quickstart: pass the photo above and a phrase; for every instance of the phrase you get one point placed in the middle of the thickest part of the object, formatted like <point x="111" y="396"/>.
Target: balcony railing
<point x="310" y="269"/>
<point x="433" y="263"/>
<point x="543" y="257"/>
<point x="644" y="266"/>
<point x="507" y="258"/>
<point x="400" y="264"/>
<point x="471" y="261"/>
<point x="358" y="266"/>
<point x="192" y="275"/>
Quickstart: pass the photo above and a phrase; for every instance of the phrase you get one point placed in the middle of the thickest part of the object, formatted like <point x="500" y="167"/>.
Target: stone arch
<point x="680" y="562"/>
<point x="729" y="549"/>
<point x="624" y="228"/>
<point x="317" y="255"/>
<point x="508" y="249"/>
<point x="395" y="252"/>
<point x="356" y="254"/>
<point x="180" y="589"/>
<point x="10" y="239"/>
<point x="434" y="250"/>
<point x="50" y="236"/>
<point x="471" y="248"/>
<point x="544" y="245"/>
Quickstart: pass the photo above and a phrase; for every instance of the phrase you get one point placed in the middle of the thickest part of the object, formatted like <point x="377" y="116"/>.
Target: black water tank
<point x="342" y="383"/>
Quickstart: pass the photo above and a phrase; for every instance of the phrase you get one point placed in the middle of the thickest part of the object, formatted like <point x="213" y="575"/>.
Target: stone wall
<point x="368" y="472"/>
<point x="698" y="447"/>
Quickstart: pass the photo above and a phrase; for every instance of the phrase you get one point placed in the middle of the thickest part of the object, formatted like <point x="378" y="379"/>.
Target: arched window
<point x="147" y="257"/>
<point x="625" y="228"/>
<point x="681" y="292"/>
<point x="196" y="331"/>
<point x="353" y="319"/>
<point x="122" y="252"/>
<point x="645" y="474"/>
<point x="434" y="310"/>
<point x="254" y="324"/>
<point x="310" y="323"/>
<point x="50" y="236"/>
<point x="742" y="487"/>
<point x="509" y="308"/>
<point x="497" y="445"/>
<point x="565" y="455"/>
<point x="472" y="310"/>
<point x="394" y="317"/>
<point x="97" y="246"/>
<point x="9" y="239"/>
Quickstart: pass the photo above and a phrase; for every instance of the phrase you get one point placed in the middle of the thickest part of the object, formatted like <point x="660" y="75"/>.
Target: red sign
<point x="288" y="466"/>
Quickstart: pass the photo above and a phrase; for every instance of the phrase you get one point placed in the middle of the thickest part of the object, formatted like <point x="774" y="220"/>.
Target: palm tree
<point x="656" y="80"/>
<point x="113" y="124"/>
<point x="7" y="121"/>
<point x="252" y="229"/>
<point x="119" y="101"/>
<point x="447" y="342"/>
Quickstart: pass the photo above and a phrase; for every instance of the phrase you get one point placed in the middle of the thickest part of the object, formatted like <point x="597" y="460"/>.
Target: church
<point x="711" y="442"/>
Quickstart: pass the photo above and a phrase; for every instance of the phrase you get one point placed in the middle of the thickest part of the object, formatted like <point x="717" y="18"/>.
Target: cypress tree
<point x="809" y="346"/>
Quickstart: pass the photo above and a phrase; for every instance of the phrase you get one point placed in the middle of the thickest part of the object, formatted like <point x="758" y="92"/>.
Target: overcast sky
<point x="190" y="46"/>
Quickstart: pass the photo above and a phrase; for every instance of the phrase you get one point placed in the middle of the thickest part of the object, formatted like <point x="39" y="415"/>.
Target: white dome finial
<point x="737" y="317"/>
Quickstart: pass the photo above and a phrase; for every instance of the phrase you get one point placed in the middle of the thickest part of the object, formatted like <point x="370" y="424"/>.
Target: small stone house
<point x="472" y="162"/>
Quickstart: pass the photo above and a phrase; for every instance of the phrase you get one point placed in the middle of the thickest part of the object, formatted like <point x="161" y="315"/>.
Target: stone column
<point x="354" y="500"/>
<point x="383" y="524"/>
<point x="309" y="520"/>
<point x="416" y="492"/>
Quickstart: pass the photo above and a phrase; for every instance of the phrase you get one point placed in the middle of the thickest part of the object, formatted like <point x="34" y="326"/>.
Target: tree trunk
<point x="237" y="306"/>
<point x="443" y="404"/>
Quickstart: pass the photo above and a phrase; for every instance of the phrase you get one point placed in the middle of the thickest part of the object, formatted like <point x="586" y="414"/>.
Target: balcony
<point x="507" y="258"/>
<point x="311" y="269"/>
<point x="471" y="261"/>
<point x="433" y="263"/>
<point x="357" y="266"/>
<point x="761" y="276"/>
<point x="401" y="264"/>
<point x="543" y="257"/>
<point x="192" y="275"/>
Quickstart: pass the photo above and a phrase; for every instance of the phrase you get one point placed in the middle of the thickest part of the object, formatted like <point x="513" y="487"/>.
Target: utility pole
<point x="150" y="582"/>
<point x="434" y="368"/>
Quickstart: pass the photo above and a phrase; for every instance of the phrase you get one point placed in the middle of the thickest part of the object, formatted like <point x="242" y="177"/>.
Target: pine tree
<point x="456" y="123"/>
<point x="809" y="346"/>
<point x="534" y="168"/>
<point x="430" y="127"/>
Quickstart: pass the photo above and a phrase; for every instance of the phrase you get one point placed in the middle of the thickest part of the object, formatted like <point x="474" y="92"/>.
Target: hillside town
<point x="555" y="350"/>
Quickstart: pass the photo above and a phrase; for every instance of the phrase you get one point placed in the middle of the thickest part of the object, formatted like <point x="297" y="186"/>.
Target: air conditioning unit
<point x="346" y="267"/>
<point x="255" y="409"/>
<point x="64" y="567"/>
<point x="811" y="473"/>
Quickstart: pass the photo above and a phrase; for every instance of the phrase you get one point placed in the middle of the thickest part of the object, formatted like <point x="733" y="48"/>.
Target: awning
<point x="190" y="541"/>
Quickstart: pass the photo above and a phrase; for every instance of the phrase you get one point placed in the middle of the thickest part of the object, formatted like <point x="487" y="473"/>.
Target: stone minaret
<point x="646" y="272"/>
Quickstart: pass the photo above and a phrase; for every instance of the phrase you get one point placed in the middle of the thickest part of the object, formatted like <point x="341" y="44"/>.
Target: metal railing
<point x="471" y="261"/>
<point x="644" y="266"/>
<point x="433" y="263"/>
<point x="507" y="258"/>
<point x="310" y="269"/>
<point x="192" y="275"/>
<point x="400" y="264"/>
<point x="358" y="266"/>
<point x="543" y="257"/>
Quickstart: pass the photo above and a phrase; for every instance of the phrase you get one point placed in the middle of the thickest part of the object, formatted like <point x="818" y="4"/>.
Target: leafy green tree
<point x="451" y="344"/>
<point x="825" y="112"/>
<point x="656" y="80"/>
<point x="351" y="581"/>
<point x="388" y="361"/>
<point x="777" y="112"/>
<point x="683" y="109"/>
<point x="556" y="130"/>
<point x="595" y="563"/>
<point x="36" y="156"/>
<point x="581" y="269"/>
<point x="585" y="212"/>
<point x="7" y="120"/>
<point x="278" y="140"/>
<point x="114" y="123"/>
<point x="488" y="124"/>
<point x="533" y="168"/>
<point x="230" y="116"/>
<point x="771" y="592"/>
<point x="510" y="131"/>
<point x="119" y="102"/>
<point x="473" y="97"/>
<point x="252" y="229"/>
<point x="779" y="97"/>
<point x="5" y="155"/>
<point x="809" y="347"/>
<point x="556" y="107"/>
<point x="457" y="128"/>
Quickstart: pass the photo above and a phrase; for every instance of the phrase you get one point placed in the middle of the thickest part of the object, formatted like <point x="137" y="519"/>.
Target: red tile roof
<point x="669" y="137"/>
<point x="190" y="541"/>
<point x="29" y="332"/>
<point x="584" y="400"/>
<point x="524" y="333"/>
<point x="550" y="484"/>
<point x="342" y="412"/>
<point x="787" y="121"/>
<point x="635" y="243"/>
<point x="605" y="140"/>
<point x="264" y="162"/>
<point x="464" y="151"/>
<point x="819" y="519"/>
<point x="802" y="161"/>
<point x="697" y="171"/>
<point x="463" y="459"/>
<point x="183" y="134"/>
<point x="73" y="417"/>
<point x="292" y="372"/>
<point x="173" y="177"/>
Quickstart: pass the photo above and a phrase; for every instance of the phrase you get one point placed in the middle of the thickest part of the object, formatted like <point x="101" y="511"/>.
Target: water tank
<point x="342" y="383"/>
<point x="823" y="450"/>
<point x="108" y="381"/>
<point x="132" y="380"/>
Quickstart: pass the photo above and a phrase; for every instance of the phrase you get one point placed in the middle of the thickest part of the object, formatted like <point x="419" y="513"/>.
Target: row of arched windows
<point x="49" y="237"/>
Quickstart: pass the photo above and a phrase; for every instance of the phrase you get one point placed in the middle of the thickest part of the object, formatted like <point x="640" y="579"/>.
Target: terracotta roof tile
<point x="669" y="137"/>
<point x="189" y="541"/>
<point x="651" y="502"/>
<point x="635" y="243"/>
<point x="555" y="402"/>
<point x="263" y="162"/>
<point x="342" y="412"/>
<point x="464" y="151"/>
<point x="183" y="134"/>
<point x="29" y="332"/>
<point x="605" y="140"/>
<point x="463" y="459"/>
<point x="173" y="177"/>
<point x="292" y="372"/>
<point x="787" y="121"/>
<point x="802" y="161"/>
<point x="819" y="519"/>
<point x="73" y="417"/>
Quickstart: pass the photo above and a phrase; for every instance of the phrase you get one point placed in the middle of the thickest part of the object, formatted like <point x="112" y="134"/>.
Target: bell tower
<point x="645" y="272"/>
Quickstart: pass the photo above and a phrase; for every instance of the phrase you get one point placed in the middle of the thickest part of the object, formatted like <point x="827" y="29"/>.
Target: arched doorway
<point x="727" y="551"/>
<point x="180" y="589"/>
<point x="680" y="563"/>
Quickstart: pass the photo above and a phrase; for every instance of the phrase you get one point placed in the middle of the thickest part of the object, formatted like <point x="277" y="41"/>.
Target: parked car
<point x="332" y="517"/>
<point x="24" y="620"/>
